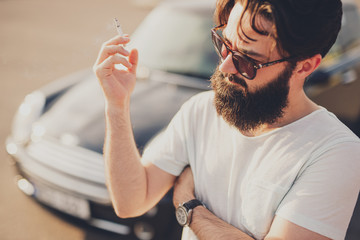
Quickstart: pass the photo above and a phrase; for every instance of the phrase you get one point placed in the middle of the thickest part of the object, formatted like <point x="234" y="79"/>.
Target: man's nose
<point x="227" y="65"/>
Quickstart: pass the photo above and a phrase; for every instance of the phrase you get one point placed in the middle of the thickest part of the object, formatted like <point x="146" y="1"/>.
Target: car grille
<point x="75" y="161"/>
<point x="74" y="169"/>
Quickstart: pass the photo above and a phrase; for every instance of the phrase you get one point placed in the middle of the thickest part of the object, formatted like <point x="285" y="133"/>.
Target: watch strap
<point x="192" y="204"/>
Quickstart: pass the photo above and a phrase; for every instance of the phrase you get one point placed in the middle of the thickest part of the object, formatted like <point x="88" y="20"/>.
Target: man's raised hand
<point x="117" y="85"/>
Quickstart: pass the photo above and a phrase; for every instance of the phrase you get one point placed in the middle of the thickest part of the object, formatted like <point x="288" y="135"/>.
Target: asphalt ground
<point x="39" y="42"/>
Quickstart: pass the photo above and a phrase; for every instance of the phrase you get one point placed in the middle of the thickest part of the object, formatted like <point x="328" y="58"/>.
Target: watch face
<point x="181" y="215"/>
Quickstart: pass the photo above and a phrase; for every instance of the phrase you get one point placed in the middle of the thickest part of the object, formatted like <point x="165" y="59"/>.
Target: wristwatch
<point x="184" y="211"/>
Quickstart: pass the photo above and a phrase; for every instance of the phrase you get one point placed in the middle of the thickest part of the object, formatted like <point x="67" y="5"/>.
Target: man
<point x="266" y="161"/>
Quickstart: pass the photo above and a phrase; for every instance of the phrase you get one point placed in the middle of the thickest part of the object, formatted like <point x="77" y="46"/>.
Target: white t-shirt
<point x="307" y="172"/>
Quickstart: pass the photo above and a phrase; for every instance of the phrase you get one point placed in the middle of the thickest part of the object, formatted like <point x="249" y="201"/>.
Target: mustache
<point x="235" y="79"/>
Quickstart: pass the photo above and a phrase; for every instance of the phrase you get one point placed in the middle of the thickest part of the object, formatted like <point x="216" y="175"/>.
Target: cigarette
<point x="118" y="27"/>
<point x="121" y="33"/>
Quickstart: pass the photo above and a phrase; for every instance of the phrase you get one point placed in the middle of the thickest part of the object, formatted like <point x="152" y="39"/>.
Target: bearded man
<point x="265" y="161"/>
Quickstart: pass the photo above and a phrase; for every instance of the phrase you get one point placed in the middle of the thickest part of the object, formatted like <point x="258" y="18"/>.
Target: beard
<point x="249" y="110"/>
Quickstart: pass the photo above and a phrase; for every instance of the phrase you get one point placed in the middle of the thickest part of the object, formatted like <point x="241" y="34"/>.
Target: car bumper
<point x="71" y="180"/>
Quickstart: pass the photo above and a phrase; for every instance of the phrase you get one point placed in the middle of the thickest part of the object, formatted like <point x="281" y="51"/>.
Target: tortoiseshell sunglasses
<point x="245" y="65"/>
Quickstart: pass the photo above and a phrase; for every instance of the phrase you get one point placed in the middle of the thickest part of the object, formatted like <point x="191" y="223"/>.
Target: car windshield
<point x="177" y="40"/>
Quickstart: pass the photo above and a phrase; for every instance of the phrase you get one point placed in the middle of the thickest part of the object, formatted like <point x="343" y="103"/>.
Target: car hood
<point x="77" y="116"/>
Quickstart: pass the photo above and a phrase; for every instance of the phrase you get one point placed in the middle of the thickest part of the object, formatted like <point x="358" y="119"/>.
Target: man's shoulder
<point x="200" y="102"/>
<point x="203" y="97"/>
<point x="318" y="133"/>
<point x="328" y="122"/>
<point x="328" y="134"/>
<point x="324" y="125"/>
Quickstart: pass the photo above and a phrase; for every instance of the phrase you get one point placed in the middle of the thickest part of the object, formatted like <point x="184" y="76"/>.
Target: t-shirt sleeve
<point x="323" y="197"/>
<point x="169" y="150"/>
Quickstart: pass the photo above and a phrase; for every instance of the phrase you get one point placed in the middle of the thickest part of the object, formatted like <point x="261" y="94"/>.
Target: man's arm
<point x="204" y="223"/>
<point x="133" y="188"/>
<point x="207" y="226"/>
<point x="283" y="229"/>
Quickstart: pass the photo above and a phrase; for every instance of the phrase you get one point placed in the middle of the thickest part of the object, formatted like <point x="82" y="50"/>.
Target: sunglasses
<point x="245" y="65"/>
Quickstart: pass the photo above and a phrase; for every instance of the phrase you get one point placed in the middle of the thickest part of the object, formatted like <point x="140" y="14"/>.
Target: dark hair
<point x="301" y="28"/>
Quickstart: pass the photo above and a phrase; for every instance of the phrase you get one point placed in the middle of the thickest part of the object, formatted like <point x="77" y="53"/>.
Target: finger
<point x="107" y="51"/>
<point x="133" y="59"/>
<point x="108" y="65"/>
<point x="116" y="59"/>
<point x="117" y="40"/>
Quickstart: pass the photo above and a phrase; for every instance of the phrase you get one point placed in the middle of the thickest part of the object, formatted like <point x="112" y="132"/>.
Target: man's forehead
<point x="241" y="35"/>
<point x="245" y="27"/>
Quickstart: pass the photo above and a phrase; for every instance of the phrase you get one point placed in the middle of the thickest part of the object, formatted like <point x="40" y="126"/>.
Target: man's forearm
<point x="125" y="175"/>
<point x="207" y="226"/>
<point x="204" y="223"/>
<point x="127" y="179"/>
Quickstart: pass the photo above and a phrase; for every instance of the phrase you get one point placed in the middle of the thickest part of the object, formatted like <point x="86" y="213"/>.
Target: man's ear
<point x="305" y="67"/>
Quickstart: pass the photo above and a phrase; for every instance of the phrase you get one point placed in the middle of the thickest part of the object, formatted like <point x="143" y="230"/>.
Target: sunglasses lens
<point x="220" y="47"/>
<point x="244" y="66"/>
<point x="241" y="63"/>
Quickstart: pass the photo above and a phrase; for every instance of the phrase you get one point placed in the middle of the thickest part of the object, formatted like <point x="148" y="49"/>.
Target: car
<point x="57" y="133"/>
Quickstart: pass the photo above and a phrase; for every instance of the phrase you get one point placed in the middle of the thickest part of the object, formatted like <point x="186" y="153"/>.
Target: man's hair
<point x="301" y="28"/>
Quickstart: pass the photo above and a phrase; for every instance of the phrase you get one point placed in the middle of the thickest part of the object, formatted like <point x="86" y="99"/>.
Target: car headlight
<point x="28" y="113"/>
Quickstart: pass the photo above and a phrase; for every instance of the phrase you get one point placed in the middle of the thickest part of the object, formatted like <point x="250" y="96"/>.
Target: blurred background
<point x="41" y="41"/>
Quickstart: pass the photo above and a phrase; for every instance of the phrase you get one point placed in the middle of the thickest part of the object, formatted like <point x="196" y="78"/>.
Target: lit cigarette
<point x="118" y="27"/>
